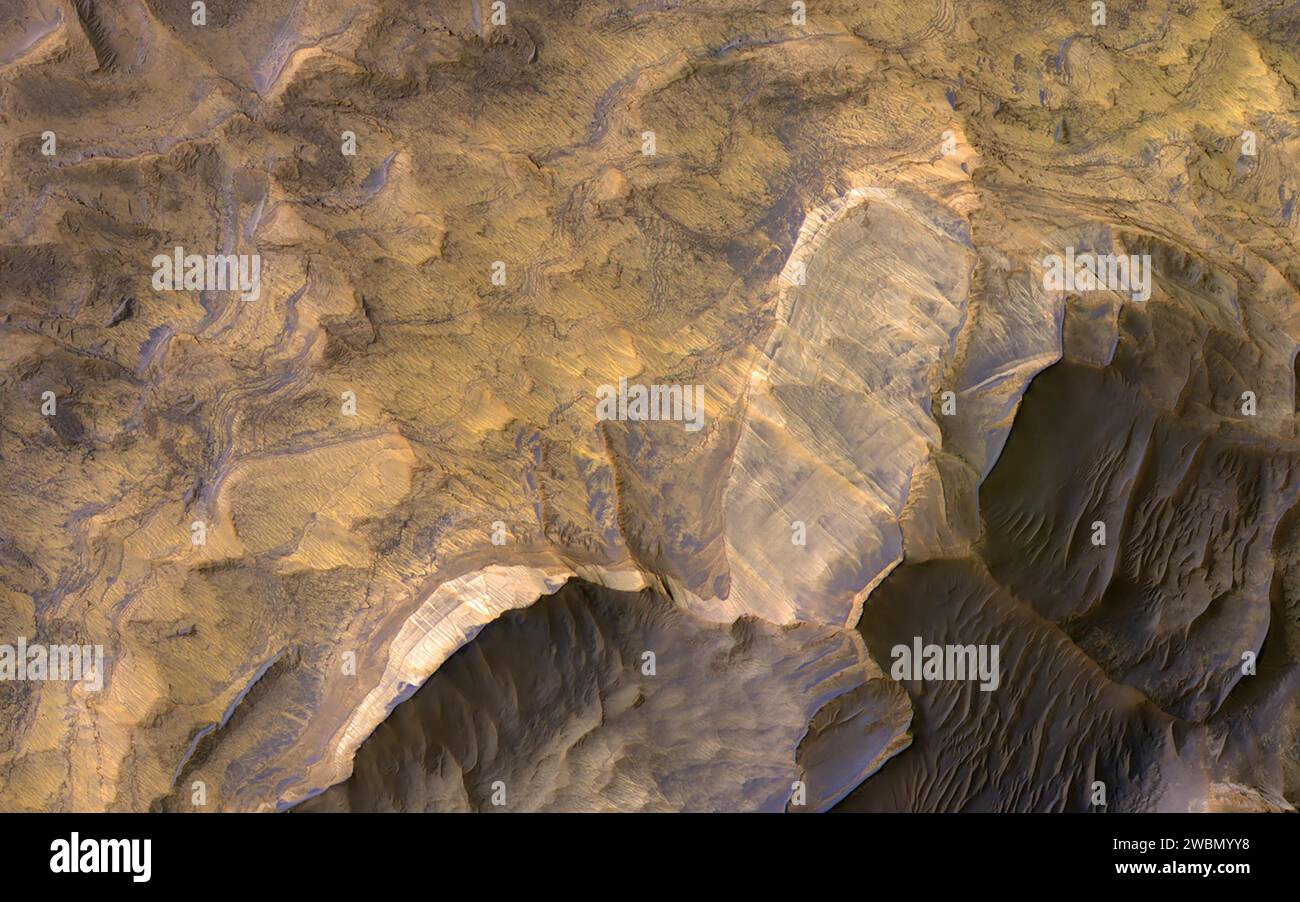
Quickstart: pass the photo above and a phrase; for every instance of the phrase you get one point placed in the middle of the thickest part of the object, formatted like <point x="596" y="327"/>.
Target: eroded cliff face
<point x="1160" y="660"/>
<point x="280" y="511"/>
<point x="592" y="700"/>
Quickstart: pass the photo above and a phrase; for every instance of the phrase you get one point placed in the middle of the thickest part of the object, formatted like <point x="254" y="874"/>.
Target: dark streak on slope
<point x="93" y="26"/>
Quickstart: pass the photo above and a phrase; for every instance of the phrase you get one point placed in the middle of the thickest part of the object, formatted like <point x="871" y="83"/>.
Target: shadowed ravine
<point x="1155" y="707"/>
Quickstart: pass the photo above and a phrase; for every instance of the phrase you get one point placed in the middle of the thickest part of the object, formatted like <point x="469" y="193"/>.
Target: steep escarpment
<point x="1134" y="569"/>
<point x="592" y="700"/>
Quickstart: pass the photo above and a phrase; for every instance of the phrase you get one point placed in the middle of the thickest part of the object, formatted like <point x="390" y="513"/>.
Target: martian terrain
<point x="617" y="406"/>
